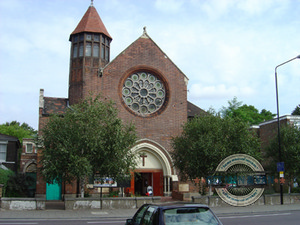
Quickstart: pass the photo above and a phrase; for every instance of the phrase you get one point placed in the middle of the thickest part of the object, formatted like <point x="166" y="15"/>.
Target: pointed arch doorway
<point x="153" y="169"/>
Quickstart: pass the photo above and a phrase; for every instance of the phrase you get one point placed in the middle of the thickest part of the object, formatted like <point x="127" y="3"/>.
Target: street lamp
<point x="278" y="122"/>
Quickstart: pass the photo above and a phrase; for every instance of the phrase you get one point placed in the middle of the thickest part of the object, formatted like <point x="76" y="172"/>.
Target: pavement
<point x="128" y="213"/>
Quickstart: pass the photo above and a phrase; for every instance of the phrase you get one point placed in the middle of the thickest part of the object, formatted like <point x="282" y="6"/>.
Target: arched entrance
<point x="153" y="169"/>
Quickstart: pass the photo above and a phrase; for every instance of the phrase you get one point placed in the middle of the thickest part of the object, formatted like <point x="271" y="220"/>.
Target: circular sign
<point x="240" y="172"/>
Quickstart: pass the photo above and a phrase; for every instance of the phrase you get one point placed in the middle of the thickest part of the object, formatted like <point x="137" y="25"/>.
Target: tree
<point x="248" y="114"/>
<point x="206" y="141"/>
<point x="296" y="110"/>
<point x="18" y="130"/>
<point x="88" y="139"/>
<point x="290" y="151"/>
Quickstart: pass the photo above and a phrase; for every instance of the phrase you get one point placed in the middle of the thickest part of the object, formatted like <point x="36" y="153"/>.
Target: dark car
<point x="177" y="214"/>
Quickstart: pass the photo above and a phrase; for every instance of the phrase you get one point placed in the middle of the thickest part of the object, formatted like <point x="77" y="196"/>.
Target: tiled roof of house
<point x="91" y="22"/>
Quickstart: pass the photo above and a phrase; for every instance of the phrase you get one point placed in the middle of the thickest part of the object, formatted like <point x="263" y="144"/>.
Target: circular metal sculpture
<point x="143" y="93"/>
<point x="242" y="177"/>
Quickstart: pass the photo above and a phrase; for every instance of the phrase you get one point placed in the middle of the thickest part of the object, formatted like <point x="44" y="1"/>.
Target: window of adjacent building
<point x="29" y="148"/>
<point x="3" y="150"/>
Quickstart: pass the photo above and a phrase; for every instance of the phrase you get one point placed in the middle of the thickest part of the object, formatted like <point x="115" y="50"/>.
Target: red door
<point x="158" y="184"/>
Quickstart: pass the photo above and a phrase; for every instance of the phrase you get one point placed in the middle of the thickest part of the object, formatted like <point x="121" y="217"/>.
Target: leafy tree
<point x="232" y="106"/>
<point x="206" y="141"/>
<point x="248" y="114"/>
<point x="88" y="139"/>
<point x="290" y="151"/>
<point x="18" y="130"/>
<point x="296" y="110"/>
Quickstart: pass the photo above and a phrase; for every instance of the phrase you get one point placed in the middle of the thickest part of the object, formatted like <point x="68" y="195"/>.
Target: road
<point x="274" y="218"/>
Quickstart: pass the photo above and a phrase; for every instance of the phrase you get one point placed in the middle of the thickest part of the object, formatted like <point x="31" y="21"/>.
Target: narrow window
<point x="75" y="38"/>
<point x="75" y="50"/>
<point x="102" y="51"/>
<point x="96" y="50"/>
<point x="88" y="49"/>
<point x="80" y="49"/>
<point x="81" y="37"/>
<point x="89" y="37"/>
<point x="29" y="148"/>
<point x="106" y="54"/>
<point x="96" y="37"/>
<point x="3" y="149"/>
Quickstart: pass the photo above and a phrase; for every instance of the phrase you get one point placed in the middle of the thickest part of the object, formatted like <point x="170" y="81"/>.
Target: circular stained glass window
<point x="144" y="93"/>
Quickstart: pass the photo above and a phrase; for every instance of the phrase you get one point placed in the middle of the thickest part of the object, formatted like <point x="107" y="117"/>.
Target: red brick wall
<point x="144" y="54"/>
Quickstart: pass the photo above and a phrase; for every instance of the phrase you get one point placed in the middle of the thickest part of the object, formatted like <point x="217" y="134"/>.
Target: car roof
<point x="169" y="205"/>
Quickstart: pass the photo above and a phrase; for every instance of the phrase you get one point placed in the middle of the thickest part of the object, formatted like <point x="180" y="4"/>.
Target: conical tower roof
<point x="91" y="22"/>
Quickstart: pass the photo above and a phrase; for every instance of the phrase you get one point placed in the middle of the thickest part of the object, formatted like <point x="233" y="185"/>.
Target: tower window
<point x="96" y="37"/>
<point x="88" y="49"/>
<point x="81" y="37"/>
<point x="75" y="50"/>
<point x="89" y="37"/>
<point x="102" y="51"/>
<point x="106" y="53"/>
<point x="90" y="45"/>
<point x="81" y="50"/>
<point x="96" y="50"/>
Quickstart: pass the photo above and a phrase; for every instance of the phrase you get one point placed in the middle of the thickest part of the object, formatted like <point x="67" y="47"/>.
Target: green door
<point x="53" y="191"/>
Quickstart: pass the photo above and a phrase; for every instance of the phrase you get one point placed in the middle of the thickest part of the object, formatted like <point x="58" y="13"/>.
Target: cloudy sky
<point x="226" y="48"/>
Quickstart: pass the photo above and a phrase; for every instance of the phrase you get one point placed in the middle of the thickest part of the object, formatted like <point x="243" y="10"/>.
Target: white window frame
<point x="26" y="149"/>
<point x="3" y="151"/>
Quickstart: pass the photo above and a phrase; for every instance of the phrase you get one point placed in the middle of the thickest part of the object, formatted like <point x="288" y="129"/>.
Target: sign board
<point x="104" y="182"/>
<point x="280" y="166"/>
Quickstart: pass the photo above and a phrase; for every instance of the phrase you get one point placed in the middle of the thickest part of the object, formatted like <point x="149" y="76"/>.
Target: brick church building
<point x="148" y="89"/>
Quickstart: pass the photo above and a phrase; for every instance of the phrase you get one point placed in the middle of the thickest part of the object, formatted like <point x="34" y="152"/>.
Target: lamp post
<point x="278" y="123"/>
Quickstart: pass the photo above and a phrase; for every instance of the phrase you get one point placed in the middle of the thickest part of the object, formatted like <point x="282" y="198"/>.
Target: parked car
<point x="174" y="213"/>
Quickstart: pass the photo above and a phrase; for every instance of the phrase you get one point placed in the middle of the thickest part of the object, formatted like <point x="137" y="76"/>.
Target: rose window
<point x="144" y="93"/>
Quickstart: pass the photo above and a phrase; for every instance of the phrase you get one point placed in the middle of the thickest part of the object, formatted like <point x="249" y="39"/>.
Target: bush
<point x="4" y="177"/>
<point x="18" y="185"/>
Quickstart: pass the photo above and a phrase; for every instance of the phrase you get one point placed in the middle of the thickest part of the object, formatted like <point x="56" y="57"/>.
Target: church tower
<point x="90" y="52"/>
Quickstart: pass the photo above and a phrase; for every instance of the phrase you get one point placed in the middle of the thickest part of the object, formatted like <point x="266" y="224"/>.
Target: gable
<point x="144" y="51"/>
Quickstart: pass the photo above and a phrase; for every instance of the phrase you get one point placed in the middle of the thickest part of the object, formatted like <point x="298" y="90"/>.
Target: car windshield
<point x="189" y="215"/>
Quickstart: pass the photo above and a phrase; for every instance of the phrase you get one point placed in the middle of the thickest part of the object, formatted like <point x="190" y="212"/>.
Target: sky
<point x="227" y="48"/>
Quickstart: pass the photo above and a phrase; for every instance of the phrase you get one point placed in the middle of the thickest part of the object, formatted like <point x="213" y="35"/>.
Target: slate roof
<point x="5" y="137"/>
<point x="91" y="22"/>
<point x="194" y="110"/>
<point x="55" y="105"/>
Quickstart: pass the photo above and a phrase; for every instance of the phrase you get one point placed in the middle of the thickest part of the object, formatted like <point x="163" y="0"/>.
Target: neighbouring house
<point x="9" y="147"/>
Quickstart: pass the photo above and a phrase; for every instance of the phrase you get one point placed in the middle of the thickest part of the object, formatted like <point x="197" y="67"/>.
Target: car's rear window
<point x="189" y="216"/>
